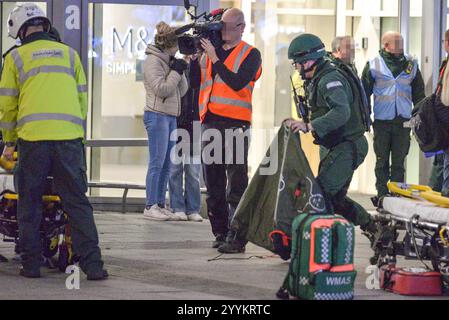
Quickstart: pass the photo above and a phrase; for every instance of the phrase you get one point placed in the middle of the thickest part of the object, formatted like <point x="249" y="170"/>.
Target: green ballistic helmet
<point x="306" y="47"/>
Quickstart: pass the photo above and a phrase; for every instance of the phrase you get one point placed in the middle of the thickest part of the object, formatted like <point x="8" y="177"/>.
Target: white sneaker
<point x="181" y="216"/>
<point x="195" y="217"/>
<point x="154" y="213"/>
<point x="171" y="216"/>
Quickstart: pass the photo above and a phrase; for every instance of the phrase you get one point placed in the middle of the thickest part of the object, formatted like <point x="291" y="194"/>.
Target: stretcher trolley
<point x="54" y="229"/>
<point x="415" y="224"/>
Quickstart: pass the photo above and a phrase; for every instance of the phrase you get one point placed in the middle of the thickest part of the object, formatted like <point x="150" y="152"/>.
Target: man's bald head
<point x="393" y="42"/>
<point x="233" y="15"/>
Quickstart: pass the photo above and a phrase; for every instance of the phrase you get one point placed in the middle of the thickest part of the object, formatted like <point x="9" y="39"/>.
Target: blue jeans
<point x="159" y="127"/>
<point x="187" y="199"/>
<point x="445" y="189"/>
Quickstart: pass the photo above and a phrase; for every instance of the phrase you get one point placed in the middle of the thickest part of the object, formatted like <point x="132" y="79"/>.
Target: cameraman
<point x="228" y="75"/>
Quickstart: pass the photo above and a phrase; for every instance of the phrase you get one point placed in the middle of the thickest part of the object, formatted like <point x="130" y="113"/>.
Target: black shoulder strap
<point x="317" y="80"/>
<point x="440" y="78"/>
<point x="9" y="50"/>
<point x="355" y="81"/>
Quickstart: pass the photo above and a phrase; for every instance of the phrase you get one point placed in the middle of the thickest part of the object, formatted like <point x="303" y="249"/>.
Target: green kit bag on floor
<point x="322" y="259"/>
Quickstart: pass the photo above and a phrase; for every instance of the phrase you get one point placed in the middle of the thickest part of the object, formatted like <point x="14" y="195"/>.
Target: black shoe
<point x="375" y="201"/>
<point x="219" y="240"/>
<point x="97" y="275"/>
<point x="379" y="235"/>
<point x="30" y="273"/>
<point x="231" y="247"/>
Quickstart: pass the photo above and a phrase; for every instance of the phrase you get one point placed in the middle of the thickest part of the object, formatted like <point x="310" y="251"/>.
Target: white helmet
<point x="22" y="14"/>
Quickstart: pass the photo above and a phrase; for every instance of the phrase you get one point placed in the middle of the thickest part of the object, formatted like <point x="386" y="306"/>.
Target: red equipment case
<point x="411" y="281"/>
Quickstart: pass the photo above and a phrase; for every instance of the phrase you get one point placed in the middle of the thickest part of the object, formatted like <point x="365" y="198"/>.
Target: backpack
<point x="428" y="124"/>
<point x="356" y="86"/>
<point x="322" y="263"/>
<point x="357" y="89"/>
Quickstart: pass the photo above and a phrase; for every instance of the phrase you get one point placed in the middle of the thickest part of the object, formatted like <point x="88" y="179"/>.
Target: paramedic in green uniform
<point x="336" y="123"/>
<point x="394" y="80"/>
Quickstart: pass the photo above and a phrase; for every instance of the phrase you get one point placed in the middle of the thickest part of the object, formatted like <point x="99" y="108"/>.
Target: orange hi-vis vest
<point x="218" y="97"/>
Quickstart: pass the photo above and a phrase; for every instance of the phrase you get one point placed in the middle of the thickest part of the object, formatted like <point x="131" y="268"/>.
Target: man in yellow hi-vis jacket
<point x="43" y="107"/>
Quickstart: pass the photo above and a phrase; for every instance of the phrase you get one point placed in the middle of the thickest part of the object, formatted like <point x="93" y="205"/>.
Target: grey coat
<point x="164" y="87"/>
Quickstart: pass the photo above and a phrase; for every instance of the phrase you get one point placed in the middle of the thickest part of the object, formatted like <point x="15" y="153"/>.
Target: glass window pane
<point x="415" y="37"/>
<point x="122" y="164"/>
<point x="388" y="5"/>
<point x="349" y="4"/>
<point x="119" y="34"/>
<point x="307" y="4"/>
<point x="416" y="8"/>
<point x="389" y="24"/>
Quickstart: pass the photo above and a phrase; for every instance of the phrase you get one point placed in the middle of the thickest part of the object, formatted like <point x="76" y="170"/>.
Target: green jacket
<point x="332" y="105"/>
<point x="43" y="92"/>
<point x="351" y="74"/>
<point x="396" y="65"/>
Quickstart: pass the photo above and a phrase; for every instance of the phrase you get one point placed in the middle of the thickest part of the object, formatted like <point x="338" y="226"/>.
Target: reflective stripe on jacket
<point x="43" y="93"/>
<point x="218" y="97"/>
<point x="392" y="96"/>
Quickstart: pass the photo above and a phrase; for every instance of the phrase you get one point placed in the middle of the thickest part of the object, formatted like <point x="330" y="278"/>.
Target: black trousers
<point x="390" y="139"/>
<point x="225" y="171"/>
<point x="65" y="161"/>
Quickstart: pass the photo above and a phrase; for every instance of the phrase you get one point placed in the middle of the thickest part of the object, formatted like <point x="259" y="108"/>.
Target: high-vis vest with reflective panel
<point x="43" y="93"/>
<point x="218" y="97"/>
<point x="392" y="96"/>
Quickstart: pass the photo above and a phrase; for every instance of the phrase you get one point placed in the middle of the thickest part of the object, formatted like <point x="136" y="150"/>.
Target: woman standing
<point x="165" y="84"/>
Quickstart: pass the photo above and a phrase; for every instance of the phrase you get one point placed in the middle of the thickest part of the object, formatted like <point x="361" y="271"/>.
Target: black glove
<point x="179" y="65"/>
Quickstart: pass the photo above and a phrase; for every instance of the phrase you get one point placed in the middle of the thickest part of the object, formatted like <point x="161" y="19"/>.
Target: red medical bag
<point x="411" y="281"/>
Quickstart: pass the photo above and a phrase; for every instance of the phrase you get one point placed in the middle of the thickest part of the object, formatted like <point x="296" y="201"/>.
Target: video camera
<point x="210" y="29"/>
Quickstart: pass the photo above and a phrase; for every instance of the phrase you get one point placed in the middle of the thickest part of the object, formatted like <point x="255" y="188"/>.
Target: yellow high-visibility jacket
<point x="43" y="92"/>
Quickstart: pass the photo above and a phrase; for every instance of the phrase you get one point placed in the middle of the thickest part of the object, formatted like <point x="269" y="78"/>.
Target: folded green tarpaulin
<point x="273" y="199"/>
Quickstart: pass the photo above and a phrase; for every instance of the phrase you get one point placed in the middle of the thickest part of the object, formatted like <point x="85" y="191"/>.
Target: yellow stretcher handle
<point x="436" y="198"/>
<point x="407" y="190"/>
<point x="442" y="237"/>
<point x="47" y="198"/>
